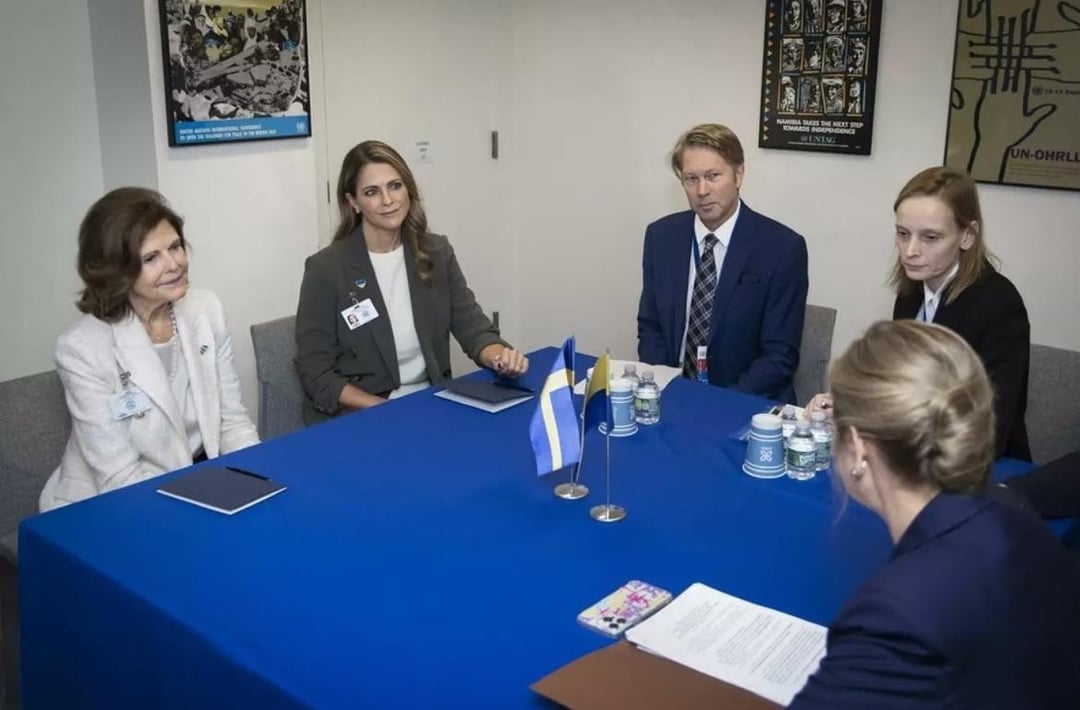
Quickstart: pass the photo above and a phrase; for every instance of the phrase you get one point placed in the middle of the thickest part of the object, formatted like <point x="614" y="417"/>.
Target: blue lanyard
<point x="697" y="252"/>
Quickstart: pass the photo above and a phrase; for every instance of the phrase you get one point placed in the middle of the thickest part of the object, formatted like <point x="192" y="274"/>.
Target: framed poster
<point x="237" y="71"/>
<point x="1015" y="100"/>
<point x="819" y="74"/>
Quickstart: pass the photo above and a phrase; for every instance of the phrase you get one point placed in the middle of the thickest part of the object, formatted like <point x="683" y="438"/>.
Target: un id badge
<point x="131" y="402"/>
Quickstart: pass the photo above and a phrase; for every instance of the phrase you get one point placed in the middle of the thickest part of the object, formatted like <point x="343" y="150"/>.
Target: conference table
<point x="416" y="560"/>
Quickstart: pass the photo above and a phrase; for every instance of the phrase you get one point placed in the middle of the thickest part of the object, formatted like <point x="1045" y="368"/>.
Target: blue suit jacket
<point x="978" y="608"/>
<point x="758" y="309"/>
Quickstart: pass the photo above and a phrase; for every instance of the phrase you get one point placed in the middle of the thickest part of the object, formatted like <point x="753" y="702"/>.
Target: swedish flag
<point x="554" y="427"/>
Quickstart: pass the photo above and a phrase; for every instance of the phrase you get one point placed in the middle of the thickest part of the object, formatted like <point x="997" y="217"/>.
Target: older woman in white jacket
<point x="148" y="368"/>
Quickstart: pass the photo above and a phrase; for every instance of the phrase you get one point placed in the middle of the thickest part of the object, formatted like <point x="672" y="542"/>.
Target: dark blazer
<point x="990" y="315"/>
<point x="1054" y="488"/>
<point x="979" y="607"/>
<point x="758" y="309"/>
<point x="329" y="355"/>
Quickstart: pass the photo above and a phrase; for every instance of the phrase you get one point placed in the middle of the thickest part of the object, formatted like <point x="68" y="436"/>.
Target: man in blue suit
<point x="722" y="276"/>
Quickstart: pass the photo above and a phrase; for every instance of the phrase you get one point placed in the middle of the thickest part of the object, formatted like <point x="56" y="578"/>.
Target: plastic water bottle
<point x="647" y="400"/>
<point x="800" y="456"/>
<point x="630" y="373"/>
<point x="787" y="421"/>
<point x="822" y="433"/>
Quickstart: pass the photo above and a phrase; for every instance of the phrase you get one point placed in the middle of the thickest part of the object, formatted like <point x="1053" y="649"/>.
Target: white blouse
<point x="394" y="284"/>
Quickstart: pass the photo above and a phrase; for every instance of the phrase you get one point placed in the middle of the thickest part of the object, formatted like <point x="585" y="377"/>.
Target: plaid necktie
<point x="697" y="328"/>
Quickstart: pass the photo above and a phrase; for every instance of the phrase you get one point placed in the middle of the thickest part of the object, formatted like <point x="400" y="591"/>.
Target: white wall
<point x="430" y="70"/>
<point x="50" y="172"/>
<point x="589" y="99"/>
<point x="122" y="87"/>
<point x="251" y="215"/>
<point x="602" y="90"/>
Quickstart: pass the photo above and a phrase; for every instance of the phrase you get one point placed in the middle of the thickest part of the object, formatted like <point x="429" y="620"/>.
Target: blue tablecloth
<point x="415" y="561"/>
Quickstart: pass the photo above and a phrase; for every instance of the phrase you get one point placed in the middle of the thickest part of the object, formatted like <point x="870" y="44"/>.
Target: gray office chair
<point x="1053" y="402"/>
<point x="34" y="428"/>
<point x="281" y="398"/>
<point x="814" y="352"/>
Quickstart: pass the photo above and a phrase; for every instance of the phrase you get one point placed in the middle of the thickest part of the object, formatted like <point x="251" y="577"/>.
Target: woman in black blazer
<point x="378" y="305"/>
<point x="944" y="274"/>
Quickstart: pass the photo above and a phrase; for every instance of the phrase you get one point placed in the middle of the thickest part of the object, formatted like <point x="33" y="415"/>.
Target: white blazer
<point x="104" y="453"/>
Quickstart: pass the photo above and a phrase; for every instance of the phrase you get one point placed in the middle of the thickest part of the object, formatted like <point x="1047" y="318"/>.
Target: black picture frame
<point x="819" y="75"/>
<point x="235" y="73"/>
<point x="1013" y="103"/>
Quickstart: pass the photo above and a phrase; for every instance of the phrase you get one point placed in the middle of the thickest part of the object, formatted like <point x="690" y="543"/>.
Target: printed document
<point x="756" y="648"/>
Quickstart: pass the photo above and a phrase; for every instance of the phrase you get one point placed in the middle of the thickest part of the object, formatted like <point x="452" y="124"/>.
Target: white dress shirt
<point x="932" y="299"/>
<point x="723" y="238"/>
<point x="394" y="284"/>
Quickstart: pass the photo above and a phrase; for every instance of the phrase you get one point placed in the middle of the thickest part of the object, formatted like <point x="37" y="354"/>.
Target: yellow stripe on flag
<point x="555" y="381"/>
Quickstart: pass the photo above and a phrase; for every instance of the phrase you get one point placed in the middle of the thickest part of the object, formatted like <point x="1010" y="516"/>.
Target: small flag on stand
<point x="597" y="407"/>
<point x="554" y="427"/>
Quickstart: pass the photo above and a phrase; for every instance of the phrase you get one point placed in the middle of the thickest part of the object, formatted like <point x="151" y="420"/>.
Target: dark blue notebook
<point x="489" y="392"/>
<point x="225" y="490"/>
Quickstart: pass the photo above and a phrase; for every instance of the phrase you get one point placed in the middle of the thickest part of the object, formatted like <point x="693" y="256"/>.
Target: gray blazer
<point x="329" y="355"/>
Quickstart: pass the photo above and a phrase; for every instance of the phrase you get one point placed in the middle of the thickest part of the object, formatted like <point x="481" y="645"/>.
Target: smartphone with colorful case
<point x="626" y="606"/>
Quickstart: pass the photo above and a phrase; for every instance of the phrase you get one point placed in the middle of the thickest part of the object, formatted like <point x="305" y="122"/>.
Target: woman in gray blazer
<point x="148" y="368"/>
<point x="378" y="305"/>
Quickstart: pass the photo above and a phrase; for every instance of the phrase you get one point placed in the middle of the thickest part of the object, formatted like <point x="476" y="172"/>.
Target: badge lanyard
<point x="125" y="378"/>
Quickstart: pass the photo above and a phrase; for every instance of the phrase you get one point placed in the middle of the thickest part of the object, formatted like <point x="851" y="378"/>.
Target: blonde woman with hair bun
<point x="979" y="605"/>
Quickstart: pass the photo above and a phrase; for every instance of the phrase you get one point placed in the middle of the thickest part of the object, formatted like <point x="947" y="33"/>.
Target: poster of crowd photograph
<point x="235" y="71"/>
<point x="818" y="78"/>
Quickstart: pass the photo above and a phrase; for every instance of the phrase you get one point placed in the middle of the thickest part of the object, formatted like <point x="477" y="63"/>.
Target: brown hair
<point x="708" y="135"/>
<point x="921" y="394"/>
<point x="110" y="237"/>
<point x="414" y="229"/>
<point x="957" y="190"/>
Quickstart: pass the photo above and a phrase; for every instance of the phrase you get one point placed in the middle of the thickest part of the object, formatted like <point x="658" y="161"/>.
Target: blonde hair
<point x="708" y="135"/>
<point x="921" y="394"/>
<point x="957" y="190"/>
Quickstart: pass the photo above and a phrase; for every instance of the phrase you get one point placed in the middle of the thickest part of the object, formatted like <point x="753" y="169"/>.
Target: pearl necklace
<point x="175" y="337"/>
<point x="175" y="348"/>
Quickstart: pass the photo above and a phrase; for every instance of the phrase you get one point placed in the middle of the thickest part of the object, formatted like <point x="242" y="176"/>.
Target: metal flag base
<point x="607" y="513"/>
<point x="571" y="491"/>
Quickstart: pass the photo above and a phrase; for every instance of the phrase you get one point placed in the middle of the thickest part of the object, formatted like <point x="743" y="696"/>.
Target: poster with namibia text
<point x="819" y="75"/>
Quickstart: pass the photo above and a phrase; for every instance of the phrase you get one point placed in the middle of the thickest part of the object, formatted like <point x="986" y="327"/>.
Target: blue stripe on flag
<point x="553" y="430"/>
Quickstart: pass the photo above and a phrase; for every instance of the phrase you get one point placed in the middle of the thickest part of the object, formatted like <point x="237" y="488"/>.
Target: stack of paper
<point x="663" y="374"/>
<point x="762" y="650"/>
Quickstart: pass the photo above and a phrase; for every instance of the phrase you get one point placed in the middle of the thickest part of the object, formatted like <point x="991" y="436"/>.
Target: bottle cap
<point x="646" y="375"/>
<point x="817" y="416"/>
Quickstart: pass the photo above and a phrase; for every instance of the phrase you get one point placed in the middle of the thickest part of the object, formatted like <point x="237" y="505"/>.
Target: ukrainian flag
<point x="597" y="408"/>
<point x="554" y="427"/>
